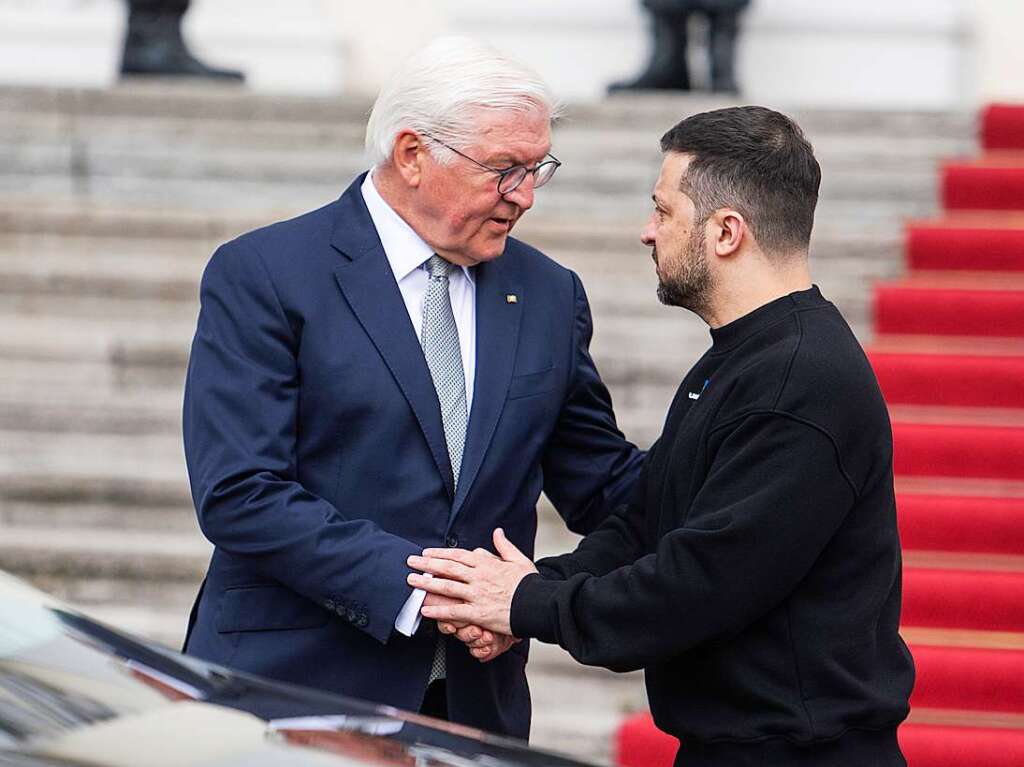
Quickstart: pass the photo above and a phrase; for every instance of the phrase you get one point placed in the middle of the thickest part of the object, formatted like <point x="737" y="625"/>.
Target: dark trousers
<point x="435" y="702"/>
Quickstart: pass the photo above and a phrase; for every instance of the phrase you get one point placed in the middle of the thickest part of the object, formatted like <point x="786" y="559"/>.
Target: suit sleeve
<point x="240" y="422"/>
<point x="756" y="530"/>
<point x="590" y="469"/>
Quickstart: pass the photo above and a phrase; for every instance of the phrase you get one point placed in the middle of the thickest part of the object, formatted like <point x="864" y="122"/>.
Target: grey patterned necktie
<point x="440" y="340"/>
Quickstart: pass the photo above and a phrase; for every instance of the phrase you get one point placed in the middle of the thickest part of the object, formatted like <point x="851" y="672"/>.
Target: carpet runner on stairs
<point x="967" y="243"/>
<point x="640" y="744"/>
<point x="951" y="449"/>
<point x="927" y="378"/>
<point x="1002" y="126"/>
<point x="994" y="182"/>
<point x="949" y="355"/>
<point x="968" y="599"/>
<point x="992" y="525"/>
<point x="911" y="307"/>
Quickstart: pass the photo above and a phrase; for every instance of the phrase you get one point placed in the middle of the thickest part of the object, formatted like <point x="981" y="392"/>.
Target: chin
<point x="490" y="253"/>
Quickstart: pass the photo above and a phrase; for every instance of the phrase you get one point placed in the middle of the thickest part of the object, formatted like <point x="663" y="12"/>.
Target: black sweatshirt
<point x="756" y="576"/>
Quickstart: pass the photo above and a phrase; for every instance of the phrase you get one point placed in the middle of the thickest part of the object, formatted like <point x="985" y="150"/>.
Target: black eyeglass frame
<point x="504" y="173"/>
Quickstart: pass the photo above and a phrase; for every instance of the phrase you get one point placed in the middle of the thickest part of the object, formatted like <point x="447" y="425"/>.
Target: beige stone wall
<point x="999" y="52"/>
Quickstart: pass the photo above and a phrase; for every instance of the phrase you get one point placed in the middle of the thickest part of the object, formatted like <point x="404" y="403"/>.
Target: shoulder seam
<point x="806" y="422"/>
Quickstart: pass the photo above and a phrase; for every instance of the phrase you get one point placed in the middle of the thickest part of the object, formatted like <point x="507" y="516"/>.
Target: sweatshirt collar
<point x="739" y="330"/>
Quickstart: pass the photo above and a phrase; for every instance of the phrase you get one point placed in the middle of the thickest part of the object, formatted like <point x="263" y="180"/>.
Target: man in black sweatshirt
<point x="756" y="575"/>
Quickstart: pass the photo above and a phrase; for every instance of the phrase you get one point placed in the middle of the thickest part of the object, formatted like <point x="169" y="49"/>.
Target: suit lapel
<point x="372" y="292"/>
<point x="497" y="337"/>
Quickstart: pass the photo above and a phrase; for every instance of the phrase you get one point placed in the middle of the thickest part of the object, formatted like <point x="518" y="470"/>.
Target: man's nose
<point x="522" y="195"/>
<point x="647" y="233"/>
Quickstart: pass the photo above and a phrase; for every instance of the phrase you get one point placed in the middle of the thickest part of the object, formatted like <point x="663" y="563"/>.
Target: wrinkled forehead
<point x="512" y="136"/>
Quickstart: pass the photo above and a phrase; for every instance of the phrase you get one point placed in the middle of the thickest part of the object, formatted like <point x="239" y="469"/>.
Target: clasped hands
<point x="469" y="593"/>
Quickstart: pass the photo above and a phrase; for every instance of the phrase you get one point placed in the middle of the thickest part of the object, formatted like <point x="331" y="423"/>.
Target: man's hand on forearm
<point x="483" y="583"/>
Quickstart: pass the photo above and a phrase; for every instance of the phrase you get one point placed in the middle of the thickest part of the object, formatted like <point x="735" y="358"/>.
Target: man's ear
<point x="728" y="230"/>
<point x="407" y="157"/>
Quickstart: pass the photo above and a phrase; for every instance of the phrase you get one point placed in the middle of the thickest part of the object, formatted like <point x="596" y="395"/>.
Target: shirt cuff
<point x="408" y="619"/>
<point x="533" y="613"/>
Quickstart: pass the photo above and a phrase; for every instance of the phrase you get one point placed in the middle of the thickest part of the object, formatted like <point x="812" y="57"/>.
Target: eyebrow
<point x="510" y="160"/>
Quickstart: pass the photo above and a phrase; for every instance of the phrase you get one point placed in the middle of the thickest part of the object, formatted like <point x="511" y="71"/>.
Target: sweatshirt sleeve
<point x="775" y="494"/>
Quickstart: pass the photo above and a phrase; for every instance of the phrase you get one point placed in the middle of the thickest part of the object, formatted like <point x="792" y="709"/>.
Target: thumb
<point x="505" y="548"/>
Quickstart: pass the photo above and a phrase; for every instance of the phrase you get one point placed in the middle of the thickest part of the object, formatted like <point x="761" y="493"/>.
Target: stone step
<point x="97" y="461"/>
<point x="128" y="514"/>
<point x="84" y="553"/>
<point x="23" y="407"/>
<point x="203" y="103"/>
<point x="601" y="124"/>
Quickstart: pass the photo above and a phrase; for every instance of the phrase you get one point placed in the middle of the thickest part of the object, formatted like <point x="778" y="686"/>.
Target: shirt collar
<point x="406" y="251"/>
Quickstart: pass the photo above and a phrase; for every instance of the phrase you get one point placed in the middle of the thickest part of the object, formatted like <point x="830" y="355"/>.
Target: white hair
<point x="438" y="89"/>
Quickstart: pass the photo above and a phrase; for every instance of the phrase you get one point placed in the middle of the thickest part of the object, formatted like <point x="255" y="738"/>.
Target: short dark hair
<point x="756" y="161"/>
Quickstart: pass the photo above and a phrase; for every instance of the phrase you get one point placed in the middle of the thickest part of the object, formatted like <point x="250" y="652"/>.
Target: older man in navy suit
<point x="389" y="373"/>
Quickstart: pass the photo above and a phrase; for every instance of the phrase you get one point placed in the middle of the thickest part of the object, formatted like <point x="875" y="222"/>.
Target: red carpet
<point x="905" y="308"/>
<point x="640" y="744"/>
<point x="961" y="524"/>
<point x="950" y="379"/>
<point x="952" y="450"/>
<point x="981" y="601"/>
<point x="1002" y="127"/>
<point x="950" y="362"/>
<point x="969" y="679"/>
<point x="963" y="246"/>
<point x="983" y="185"/>
<point x="926" y="745"/>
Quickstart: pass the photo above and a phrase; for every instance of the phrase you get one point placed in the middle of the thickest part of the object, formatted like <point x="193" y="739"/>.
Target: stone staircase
<point x="110" y="204"/>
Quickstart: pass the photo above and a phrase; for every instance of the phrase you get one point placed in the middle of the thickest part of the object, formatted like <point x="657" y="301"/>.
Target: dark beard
<point x="690" y="287"/>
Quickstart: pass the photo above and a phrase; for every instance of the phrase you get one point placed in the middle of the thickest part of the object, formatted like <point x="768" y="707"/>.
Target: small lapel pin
<point x="511" y="298"/>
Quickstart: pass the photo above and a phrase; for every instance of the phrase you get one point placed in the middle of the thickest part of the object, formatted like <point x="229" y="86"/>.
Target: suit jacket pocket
<point x="533" y="383"/>
<point x="267" y="608"/>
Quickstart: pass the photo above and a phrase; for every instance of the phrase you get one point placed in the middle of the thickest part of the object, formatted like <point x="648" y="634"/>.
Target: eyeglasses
<point x="509" y="179"/>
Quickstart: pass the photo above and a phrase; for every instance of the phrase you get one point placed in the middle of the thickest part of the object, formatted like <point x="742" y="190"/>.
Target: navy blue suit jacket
<point x="318" y="463"/>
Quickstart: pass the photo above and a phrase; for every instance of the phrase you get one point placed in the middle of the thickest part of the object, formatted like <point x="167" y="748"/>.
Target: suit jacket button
<point x="452" y="541"/>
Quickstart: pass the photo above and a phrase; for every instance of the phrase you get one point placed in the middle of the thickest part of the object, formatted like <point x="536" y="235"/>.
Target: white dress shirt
<point x="407" y="254"/>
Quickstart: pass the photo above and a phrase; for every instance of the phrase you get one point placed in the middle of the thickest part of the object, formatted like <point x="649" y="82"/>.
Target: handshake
<point x="469" y="593"/>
